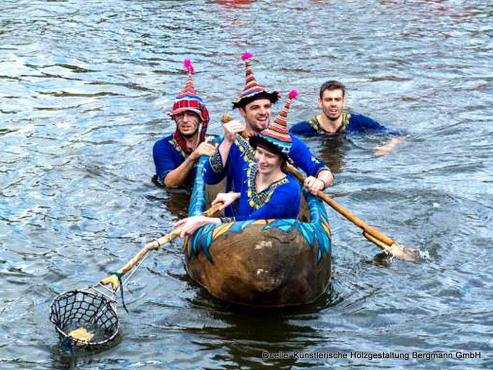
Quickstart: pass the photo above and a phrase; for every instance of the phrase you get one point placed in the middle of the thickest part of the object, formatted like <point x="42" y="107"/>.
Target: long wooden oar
<point x="115" y="278"/>
<point x="369" y="232"/>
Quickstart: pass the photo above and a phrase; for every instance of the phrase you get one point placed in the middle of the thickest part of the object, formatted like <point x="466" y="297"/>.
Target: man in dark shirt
<point x="175" y="156"/>
<point x="335" y="119"/>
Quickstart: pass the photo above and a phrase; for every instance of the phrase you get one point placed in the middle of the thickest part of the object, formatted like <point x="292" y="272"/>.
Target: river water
<point x="84" y="88"/>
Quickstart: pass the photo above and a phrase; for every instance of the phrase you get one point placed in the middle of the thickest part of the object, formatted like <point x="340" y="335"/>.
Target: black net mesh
<point x="87" y="309"/>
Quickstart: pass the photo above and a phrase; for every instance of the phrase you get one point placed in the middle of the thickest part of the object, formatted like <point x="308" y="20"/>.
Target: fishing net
<point x="84" y="318"/>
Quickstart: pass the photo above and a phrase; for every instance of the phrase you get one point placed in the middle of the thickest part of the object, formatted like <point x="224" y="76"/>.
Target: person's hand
<point x="312" y="184"/>
<point x="204" y="148"/>
<point x="382" y="150"/>
<point x="231" y="129"/>
<point x="388" y="147"/>
<point x="226" y="199"/>
<point x="190" y="224"/>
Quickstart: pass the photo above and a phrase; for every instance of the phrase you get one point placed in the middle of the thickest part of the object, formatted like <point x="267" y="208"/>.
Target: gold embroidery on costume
<point x="257" y="200"/>
<point x="245" y="149"/>
<point x="175" y="145"/>
<point x="346" y="116"/>
<point x="216" y="161"/>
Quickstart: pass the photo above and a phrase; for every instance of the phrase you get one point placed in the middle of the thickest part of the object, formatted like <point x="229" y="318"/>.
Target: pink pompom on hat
<point x="252" y="90"/>
<point x="188" y="100"/>
<point x="277" y="133"/>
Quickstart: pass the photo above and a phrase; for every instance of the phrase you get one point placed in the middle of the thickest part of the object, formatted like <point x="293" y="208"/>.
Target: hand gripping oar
<point x="87" y="318"/>
<point x="372" y="234"/>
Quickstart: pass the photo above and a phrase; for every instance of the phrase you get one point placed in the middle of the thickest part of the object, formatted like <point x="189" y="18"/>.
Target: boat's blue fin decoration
<point x="307" y="231"/>
<point x="283" y="225"/>
<point x="323" y="241"/>
<point x="202" y="239"/>
<point x="239" y="226"/>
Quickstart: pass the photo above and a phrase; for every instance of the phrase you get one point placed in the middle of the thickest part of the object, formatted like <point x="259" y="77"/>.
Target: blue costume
<point x="242" y="152"/>
<point x="271" y="202"/>
<point x="168" y="155"/>
<point x="171" y="151"/>
<point x="351" y="123"/>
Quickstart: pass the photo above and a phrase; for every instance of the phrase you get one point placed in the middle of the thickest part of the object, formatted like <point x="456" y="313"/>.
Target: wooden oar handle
<point x="213" y="210"/>
<point x="343" y="211"/>
<point x="114" y="280"/>
<point x="226" y="118"/>
<point x="377" y="234"/>
<point x="356" y="220"/>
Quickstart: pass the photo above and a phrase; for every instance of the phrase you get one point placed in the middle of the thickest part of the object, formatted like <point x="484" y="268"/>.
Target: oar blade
<point x="403" y="253"/>
<point x="395" y="249"/>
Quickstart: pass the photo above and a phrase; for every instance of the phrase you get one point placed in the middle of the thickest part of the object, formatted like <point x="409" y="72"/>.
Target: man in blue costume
<point x="267" y="189"/>
<point x="255" y="106"/>
<point x="335" y="119"/>
<point x="175" y="156"/>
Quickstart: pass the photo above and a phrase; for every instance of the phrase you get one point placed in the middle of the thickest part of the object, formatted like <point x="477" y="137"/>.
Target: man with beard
<point x="175" y="156"/>
<point x="336" y="120"/>
<point x="255" y="107"/>
<point x="267" y="186"/>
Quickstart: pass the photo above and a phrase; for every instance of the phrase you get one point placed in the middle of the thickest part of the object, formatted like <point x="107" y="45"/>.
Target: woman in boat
<point x="267" y="192"/>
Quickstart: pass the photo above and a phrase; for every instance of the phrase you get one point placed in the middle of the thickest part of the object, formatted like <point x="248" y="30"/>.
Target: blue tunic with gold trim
<point x="167" y="156"/>
<point x="280" y="200"/>
<point x="242" y="152"/>
<point x="351" y="123"/>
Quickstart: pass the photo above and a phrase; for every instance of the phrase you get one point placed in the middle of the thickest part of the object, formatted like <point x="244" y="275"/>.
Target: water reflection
<point x="174" y="201"/>
<point x="75" y="358"/>
<point x="245" y="334"/>
<point x="332" y="150"/>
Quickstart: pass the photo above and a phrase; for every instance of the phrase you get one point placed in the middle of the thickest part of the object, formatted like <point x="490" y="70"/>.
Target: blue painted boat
<point x="265" y="263"/>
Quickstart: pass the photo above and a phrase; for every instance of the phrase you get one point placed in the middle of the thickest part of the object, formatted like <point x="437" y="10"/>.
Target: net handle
<point x="114" y="279"/>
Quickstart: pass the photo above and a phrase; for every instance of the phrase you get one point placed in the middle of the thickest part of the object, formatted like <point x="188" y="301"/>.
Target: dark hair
<point x="272" y="96"/>
<point x="332" y="85"/>
<point x="257" y="140"/>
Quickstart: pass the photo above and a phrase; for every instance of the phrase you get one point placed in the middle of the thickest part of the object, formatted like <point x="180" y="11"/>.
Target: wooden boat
<point x="268" y="263"/>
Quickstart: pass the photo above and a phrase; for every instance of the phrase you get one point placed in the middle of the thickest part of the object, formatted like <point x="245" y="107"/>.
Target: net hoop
<point x="86" y="308"/>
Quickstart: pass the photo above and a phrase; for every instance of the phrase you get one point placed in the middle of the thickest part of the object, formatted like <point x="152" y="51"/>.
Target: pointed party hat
<point x="277" y="133"/>
<point x="252" y="89"/>
<point x="188" y="100"/>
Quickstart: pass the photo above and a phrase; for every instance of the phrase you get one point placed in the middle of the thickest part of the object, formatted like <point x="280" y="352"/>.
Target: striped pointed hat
<point x="277" y="133"/>
<point x="252" y="90"/>
<point x="188" y="100"/>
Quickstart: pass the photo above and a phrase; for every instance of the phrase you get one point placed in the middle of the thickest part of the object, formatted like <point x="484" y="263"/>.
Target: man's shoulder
<point x="358" y="117"/>
<point x="165" y="144"/>
<point x="164" y="140"/>
<point x="303" y="128"/>
<point x="300" y="125"/>
<point x="361" y="123"/>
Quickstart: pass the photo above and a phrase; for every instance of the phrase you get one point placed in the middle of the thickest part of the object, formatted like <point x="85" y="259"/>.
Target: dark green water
<point x="84" y="87"/>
